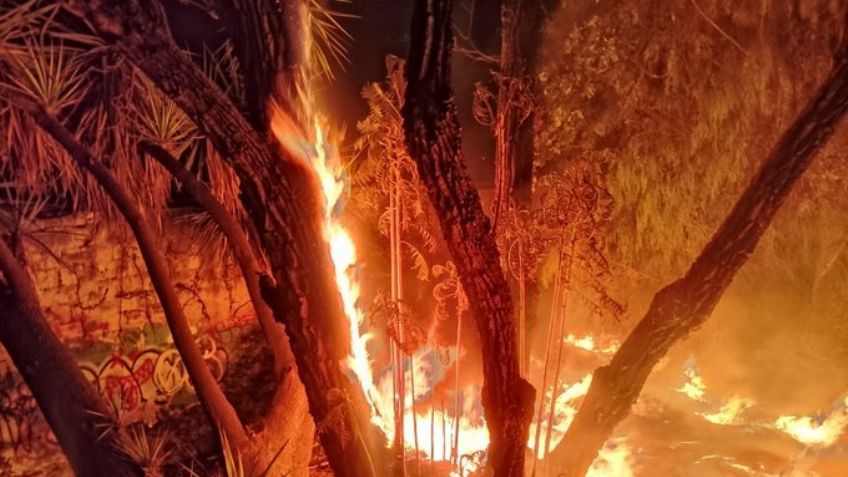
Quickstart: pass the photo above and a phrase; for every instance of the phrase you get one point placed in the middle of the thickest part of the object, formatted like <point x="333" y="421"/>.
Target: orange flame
<point x="812" y="432"/>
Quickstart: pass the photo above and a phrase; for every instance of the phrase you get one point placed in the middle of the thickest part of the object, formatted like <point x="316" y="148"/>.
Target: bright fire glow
<point x="814" y="432"/>
<point x="822" y="431"/>
<point x="729" y="412"/>
<point x="694" y="386"/>
<point x="303" y="133"/>
<point x="588" y="343"/>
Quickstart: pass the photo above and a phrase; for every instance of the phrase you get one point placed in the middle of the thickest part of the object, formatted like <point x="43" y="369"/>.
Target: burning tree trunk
<point x="77" y="416"/>
<point x="433" y="136"/>
<point x="282" y="198"/>
<point x="685" y="304"/>
<point x="209" y="392"/>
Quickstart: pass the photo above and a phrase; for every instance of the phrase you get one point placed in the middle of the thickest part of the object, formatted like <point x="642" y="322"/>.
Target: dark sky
<point x="381" y="28"/>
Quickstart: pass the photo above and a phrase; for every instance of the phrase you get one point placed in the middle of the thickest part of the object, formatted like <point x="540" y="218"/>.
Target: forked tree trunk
<point x="77" y="415"/>
<point x="239" y="246"/>
<point x="433" y="137"/>
<point x="219" y="409"/>
<point x="287" y="422"/>
<point x="685" y="304"/>
<point x="282" y="199"/>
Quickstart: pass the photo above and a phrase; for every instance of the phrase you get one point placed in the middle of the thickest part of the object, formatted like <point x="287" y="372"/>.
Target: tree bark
<point x="208" y="390"/>
<point x="75" y="412"/>
<point x="285" y="423"/>
<point x="282" y="199"/>
<point x="685" y="304"/>
<point x="433" y="137"/>
<point x="266" y="37"/>
<point x="521" y="31"/>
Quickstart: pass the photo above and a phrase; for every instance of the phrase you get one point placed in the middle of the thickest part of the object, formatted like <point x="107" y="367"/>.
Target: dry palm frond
<point x="47" y="73"/>
<point x="233" y="464"/>
<point x="158" y="119"/>
<point x="147" y="449"/>
<point x="207" y="239"/>
<point x="16" y="20"/>
<point x="58" y="78"/>
<point x="222" y="67"/>
<point x="329" y="38"/>
<point x="35" y="161"/>
<point x="45" y="20"/>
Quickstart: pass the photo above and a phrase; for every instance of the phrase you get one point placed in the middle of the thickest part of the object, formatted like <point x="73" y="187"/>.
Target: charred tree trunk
<point x="282" y="199"/>
<point x="521" y="31"/>
<point x="77" y="416"/>
<point x="685" y="304"/>
<point x="433" y="136"/>
<point x="209" y="392"/>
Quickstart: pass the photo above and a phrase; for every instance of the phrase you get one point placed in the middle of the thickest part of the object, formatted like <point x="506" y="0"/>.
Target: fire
<point x="436" y="428"/>
<point x="814" y="432"/>
<point x="588" y="343"/>
<point x="564" y="412"/>
<point x="729" y="412"/>
<point x="309" y="143"/>
<point x="303" y="133"/>
<point x="694" y="386"/>
<point x="811" y="431"/>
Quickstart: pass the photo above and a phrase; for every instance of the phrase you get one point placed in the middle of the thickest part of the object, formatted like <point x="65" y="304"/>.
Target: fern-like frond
<point x="419" y="261"/>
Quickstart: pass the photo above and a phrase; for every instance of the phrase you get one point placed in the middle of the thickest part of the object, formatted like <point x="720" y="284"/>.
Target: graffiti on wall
<point x="19" y="415"/>
<point x="136" y="384"/>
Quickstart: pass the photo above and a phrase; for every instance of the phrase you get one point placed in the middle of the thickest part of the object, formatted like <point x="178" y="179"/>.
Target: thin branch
<point x="239" y="246"/>
<point x="718" y="28"/>
<point x="209" y="391"/>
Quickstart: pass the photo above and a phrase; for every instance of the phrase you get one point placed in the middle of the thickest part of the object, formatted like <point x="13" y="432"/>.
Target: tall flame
<point x="309" y="143"/>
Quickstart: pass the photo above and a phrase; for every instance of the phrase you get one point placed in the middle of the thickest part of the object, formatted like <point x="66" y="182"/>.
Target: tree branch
<point x="240" y="248"/>
<point x="209" y="391"/>
<point x="684" y="305"/>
